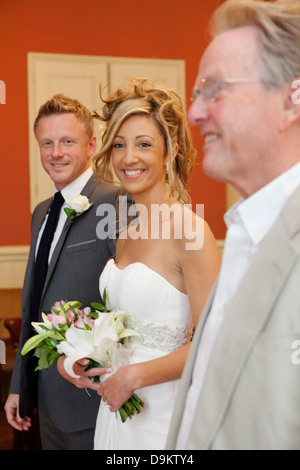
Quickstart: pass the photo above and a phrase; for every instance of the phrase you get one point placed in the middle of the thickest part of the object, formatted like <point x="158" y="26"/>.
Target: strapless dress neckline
<point x="145" y="266"/>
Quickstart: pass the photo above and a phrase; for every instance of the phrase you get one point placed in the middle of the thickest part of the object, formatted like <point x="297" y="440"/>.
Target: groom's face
<point x="65" y="147"/>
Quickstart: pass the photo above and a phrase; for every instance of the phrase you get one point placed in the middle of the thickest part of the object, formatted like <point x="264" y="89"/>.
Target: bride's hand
<point x="117" y="388"/>
<point x="83" y="381"/>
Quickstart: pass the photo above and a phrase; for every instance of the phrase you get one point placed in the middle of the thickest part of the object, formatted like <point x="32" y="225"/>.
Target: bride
<point x="157" y="279"/>
<point x="164" y="266"/>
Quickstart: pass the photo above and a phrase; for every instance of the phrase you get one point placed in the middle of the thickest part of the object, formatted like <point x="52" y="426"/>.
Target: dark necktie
<point x="41" y="262"/>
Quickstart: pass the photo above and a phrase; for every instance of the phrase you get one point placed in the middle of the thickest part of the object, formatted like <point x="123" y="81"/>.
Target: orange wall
<point x="172" y="29"/>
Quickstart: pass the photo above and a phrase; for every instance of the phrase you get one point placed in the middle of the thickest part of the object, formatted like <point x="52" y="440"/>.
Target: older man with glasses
<point x="241" y="384"/>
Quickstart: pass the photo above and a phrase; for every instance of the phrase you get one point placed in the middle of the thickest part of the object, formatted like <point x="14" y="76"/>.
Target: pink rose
<point x="57" y="320"/>
<point x="70" y="316"/>
<point x="84" y="320"/>
<point x="57" y="305"/>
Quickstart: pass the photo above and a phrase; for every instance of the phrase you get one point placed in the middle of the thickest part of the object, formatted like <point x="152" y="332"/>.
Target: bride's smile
<point x="133" y="174"/>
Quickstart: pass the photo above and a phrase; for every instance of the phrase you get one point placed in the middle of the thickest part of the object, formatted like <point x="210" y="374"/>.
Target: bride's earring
<point x="167" y="168"/>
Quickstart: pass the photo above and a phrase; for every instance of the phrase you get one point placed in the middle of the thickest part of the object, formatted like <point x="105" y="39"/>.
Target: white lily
<point x="40" y="327"/>
<point x="47" y="322"/>
<point x="99" y="344"/>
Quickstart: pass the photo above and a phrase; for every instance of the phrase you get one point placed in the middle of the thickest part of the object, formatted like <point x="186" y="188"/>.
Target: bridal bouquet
<point x="77" y="333"/>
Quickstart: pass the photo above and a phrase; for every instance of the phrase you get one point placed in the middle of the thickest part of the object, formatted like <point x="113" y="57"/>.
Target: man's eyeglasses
<point x="209" y="87"/>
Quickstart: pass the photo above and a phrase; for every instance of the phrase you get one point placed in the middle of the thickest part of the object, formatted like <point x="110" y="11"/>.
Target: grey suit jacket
<point x="73" y="274"/>
<point x="251" y="392"/>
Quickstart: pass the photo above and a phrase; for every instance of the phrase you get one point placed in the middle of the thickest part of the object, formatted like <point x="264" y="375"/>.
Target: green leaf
<point x="44" y="345"/>
<point x="97" y="306"/>
<point x="40" y="351"/>
<point x="55" y="310"/>
<point x="104" y="297"/>
<point x="53" y="343"/>
<point x="71" y="213"/>
<point x="63" y="327"/>
<point x="101" y="307"/>
<point x="43" y="361"/>
<point x="46" y="357"/>
<point x="94" y="315"/>
<point x="53" y="357"/>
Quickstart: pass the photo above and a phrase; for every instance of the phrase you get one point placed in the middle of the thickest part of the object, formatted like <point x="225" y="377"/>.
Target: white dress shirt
<point x="69" y="191"/>
<point x="248" y="222"/>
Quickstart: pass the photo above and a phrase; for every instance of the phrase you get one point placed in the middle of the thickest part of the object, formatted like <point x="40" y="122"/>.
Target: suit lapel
<point x="87" y="191"/>
<point x="38" y="220"/>
<point x="246" y="318"/>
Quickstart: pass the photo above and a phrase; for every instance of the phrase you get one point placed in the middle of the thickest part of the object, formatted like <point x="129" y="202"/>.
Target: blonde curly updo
<point x="166" y="109"/>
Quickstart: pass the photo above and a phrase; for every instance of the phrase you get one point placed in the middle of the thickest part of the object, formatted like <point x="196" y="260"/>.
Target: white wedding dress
<point x="161" y="315"/>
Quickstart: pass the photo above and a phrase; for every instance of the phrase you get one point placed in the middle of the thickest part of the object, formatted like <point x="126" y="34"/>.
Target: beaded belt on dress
<point x="160" y="337"/>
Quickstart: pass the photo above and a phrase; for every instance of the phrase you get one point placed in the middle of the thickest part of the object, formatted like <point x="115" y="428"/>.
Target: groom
<point x="64" y="131"/>
<point x="241" y="387"/>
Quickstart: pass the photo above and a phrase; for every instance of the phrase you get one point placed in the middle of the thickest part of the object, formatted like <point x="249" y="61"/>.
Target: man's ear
<point x="291" y="105"/>
<point x="92" y="146"/>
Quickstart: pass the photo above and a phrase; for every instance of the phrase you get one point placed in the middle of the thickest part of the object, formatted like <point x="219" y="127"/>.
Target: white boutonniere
<point x="77" y="205"/>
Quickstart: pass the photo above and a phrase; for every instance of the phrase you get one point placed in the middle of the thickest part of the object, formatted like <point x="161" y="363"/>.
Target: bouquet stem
<point x="132" y="406"/>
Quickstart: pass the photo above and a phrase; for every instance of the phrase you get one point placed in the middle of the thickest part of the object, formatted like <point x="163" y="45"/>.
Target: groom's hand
<point x="12" y="414"/>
